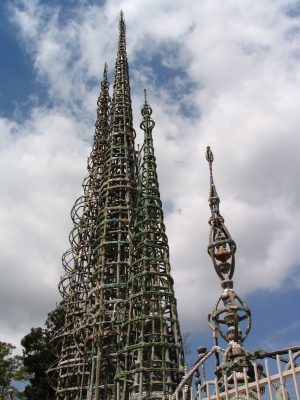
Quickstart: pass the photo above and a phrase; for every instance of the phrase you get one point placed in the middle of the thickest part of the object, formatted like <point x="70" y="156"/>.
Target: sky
<point x="224" y="74"/>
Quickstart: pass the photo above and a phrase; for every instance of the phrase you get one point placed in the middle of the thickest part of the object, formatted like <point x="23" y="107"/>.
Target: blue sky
<point x="225" y="75"/>
<point x="17" y="76"/>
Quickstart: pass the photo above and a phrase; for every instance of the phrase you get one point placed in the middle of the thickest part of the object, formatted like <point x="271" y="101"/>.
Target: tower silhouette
<point x="121" y="337"/>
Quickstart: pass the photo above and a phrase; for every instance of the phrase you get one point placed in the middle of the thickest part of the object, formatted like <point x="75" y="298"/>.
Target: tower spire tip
<point x="210" y="159"/>
<point x="209" y="155"/>
<point x="105" y="70"/>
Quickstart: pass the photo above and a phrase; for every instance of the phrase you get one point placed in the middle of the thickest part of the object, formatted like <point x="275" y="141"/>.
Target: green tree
<point x="38" y="355"/>
<point x="10" y="370"/>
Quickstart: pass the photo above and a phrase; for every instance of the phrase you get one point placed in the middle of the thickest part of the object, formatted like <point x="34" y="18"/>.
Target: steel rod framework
<point x="238" y="375"/>
<point x="108" y="281"/>
<point x="121" y="339"/>
<point x="151" y="357"/>
<point x="71" y="373"/>
<point x="110" y="277"/>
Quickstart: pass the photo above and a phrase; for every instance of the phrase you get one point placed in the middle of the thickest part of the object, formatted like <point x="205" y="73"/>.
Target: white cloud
<point x="42" y="162"/>
<point x="239" y="68"/>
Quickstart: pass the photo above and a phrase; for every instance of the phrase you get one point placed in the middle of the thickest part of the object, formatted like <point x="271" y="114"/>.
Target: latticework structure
<point x="109" y="279"/>
<point x="121" y="337"/>
<point x="238" y="373"/>
<point x="70" y="373"/>
<point x="151" y="358"/>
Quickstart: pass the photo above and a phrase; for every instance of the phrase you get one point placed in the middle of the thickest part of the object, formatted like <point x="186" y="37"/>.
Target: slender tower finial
<point x="222" y="249"/>
<point x="210" y="159"/>
<point x="122" y="28"/>
<point x="105" y="71"/>
<point x="209" y="155"/>
<point x="214" y="199"/>
<point x="102" y="122"/>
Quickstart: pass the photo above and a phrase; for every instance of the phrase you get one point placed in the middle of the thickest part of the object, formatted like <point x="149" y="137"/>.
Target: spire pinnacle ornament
<point x="230" y="310"/>
<point x="221" y="246"/>
<point x="105" y="72"/>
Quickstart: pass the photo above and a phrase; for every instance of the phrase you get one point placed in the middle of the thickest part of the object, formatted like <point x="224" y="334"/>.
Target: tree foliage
<point x="10" y="370"/>
<point x="38" y="355"/>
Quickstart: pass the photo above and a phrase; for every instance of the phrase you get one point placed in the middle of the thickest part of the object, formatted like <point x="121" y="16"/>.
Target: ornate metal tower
<point x="238" y="375"/>
<point x="118" y="232"/>
<point x="70" y="373"/>
<point x="151" y="357"/>
<point x="109" y="279"/>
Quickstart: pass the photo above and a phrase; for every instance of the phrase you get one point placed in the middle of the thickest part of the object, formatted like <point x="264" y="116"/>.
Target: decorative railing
<point x="274" y="378"/>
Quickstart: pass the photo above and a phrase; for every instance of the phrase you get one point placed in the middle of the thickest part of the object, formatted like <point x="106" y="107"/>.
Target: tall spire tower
<point x="151" y="359"/>
<point x="69" y="374"/>
<point x="121" y="337"/>
<point x="109" y="280"/>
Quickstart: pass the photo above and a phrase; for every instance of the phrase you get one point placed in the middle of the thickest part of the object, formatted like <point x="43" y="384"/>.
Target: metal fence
<point x="275" y="381"/>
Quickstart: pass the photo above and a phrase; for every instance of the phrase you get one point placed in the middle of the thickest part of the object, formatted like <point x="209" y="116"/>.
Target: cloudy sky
<point x="224" y="74"/>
